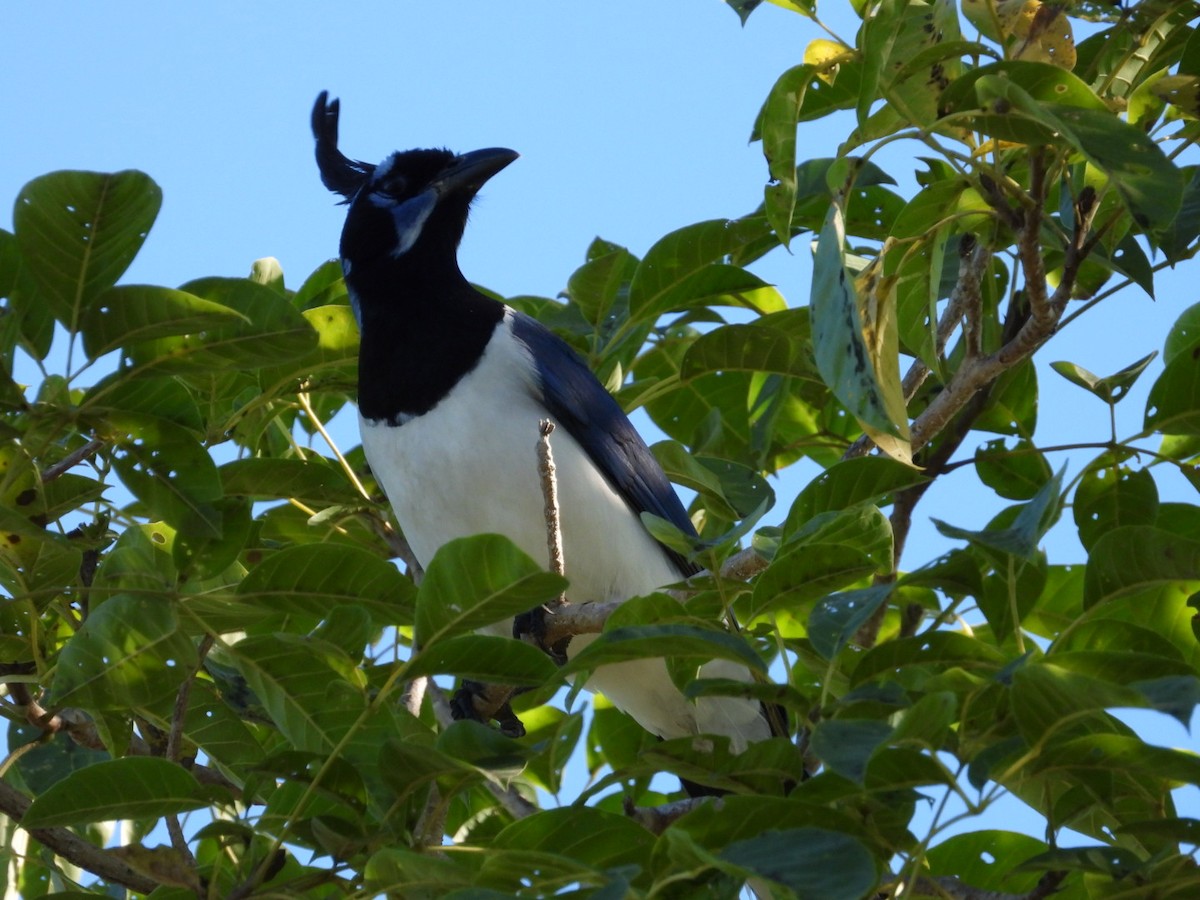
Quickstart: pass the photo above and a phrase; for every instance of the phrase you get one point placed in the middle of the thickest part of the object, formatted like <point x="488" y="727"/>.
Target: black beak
<point x="468" y="172"/>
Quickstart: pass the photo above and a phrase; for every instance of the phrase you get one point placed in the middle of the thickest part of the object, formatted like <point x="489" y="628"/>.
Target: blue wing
<point x="590" y="414"/>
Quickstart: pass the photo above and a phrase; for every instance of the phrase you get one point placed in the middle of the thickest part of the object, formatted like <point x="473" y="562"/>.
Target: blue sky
<point x="632" y="118"/>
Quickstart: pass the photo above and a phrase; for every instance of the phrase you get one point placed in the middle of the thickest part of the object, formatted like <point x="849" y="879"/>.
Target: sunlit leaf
<point x="478" y="581"/>
<point x="842" y="356"/>
<point x="79" y="231"/>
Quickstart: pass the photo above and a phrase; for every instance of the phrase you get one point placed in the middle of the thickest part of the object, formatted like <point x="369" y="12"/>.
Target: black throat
<point x="423" y="328"/>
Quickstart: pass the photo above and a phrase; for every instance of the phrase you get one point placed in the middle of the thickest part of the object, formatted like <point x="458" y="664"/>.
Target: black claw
<point x="462" y="706"/>
<point x="531" y="627"/>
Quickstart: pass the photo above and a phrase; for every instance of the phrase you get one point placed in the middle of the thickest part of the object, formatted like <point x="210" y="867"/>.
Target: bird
<point x="452" y="386"/>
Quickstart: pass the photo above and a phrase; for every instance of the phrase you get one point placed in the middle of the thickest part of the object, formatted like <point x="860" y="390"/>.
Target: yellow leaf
<point x="1046" y="35"/>
<point x="825" y="56"/>
<point x="163" y="864"/>
<point x="877" y="308"/>
<point x="1028" y="29"/>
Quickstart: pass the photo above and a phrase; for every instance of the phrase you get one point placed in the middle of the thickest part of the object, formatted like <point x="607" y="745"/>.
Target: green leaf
<point x="126" y="315"/>
<point x="310" y="689"/>
<point x="931" y="652"/>
<point x="1135" y="558"/>
<point x="812" y="862"/>
<point x="905" y="63"/>
<point x="144" y="395"/>
<point x="1148" y="182"/>
<point x="136" y="787"/>
<point x="500" y="660"/>
<point x="777" y="129"/>
<point x="130" y="652"/>
<point x="1173" y="406"/>
<point x="1016" y="474"/>
<point x="484" y="748"/>
<point x="78" y="233"/>
<point x="312" y="480"/>
<point x="769" y="345"/>
<point x="837" y="618"/>
<point x="1029" y="526"/>
<point x="582" y="833"/>
<point x="846" y="745"/>
<point x="167" y="469"/>
<point x="986" y="860"/>
<point x="862" y="527"/>
<point x="1119" y="754"/>
<point x="806" y="572"/>
<point x="679" y="271"/>
<point x="1111" y="495"/>
<point x="270" y="331"/>
<point x="478" y="581"/>
<point x="316" y="578"/>
<point x="677" y="640"/>
<point x="1111" y="389"/>
<point x="732" y="489"/>
<point x="841" y="353"/>
<point x="595" y="286"/>
<point x="849" y="483"/>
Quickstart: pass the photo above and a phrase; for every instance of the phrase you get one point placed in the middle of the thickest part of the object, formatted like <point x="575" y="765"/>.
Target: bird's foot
<point x="531" y="628"/>
<point x="485" y="703"/>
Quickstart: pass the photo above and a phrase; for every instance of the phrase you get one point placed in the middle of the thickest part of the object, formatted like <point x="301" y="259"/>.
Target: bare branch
<point x="656" y="819"/>
<point x="1029" y="247"/>
<point x="72" y="459"/>
<point x="549" y="479"/>
<point x="414" y="694"/>
<point x="174" y="740"/>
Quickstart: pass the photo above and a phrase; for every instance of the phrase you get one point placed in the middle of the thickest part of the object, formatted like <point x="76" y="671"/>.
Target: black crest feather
<point x="340" y="174"/>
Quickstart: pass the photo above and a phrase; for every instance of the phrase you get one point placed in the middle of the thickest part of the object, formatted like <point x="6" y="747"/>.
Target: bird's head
<point x="414" y="204"/>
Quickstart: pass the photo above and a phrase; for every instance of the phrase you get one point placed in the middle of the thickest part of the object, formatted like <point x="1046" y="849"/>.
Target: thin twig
<point x="175" y="739"/>
<point x="72" y="459"/>
<point x="320" y="426"/>
<point x="549" y="479"/>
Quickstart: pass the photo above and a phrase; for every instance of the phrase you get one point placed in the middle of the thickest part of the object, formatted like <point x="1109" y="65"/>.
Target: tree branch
<point x="72" y="459"/>
<point x="657" y="819"/>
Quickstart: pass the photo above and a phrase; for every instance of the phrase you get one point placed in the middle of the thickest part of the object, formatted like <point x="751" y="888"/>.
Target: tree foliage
<point x="202" y="620"/>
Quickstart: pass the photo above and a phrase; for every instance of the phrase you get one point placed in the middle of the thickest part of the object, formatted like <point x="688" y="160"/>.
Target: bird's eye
<point x="395" y="187"/>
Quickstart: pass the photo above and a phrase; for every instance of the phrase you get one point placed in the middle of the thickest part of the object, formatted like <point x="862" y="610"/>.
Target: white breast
<point x="469" y="466"/>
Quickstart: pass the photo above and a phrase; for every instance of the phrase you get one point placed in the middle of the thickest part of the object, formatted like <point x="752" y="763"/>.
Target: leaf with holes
<point x="836" y="619"/>
<point x="683" y="269"/>
<point x="1111" y="389"/>
<point x="126" y="315"/>
<point x="166" y="468"/>
<point x="78" y="233"/>
<point x="266" y="331"/>
<point x="130" y="652"/>
<point x="1111" y="495"/>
